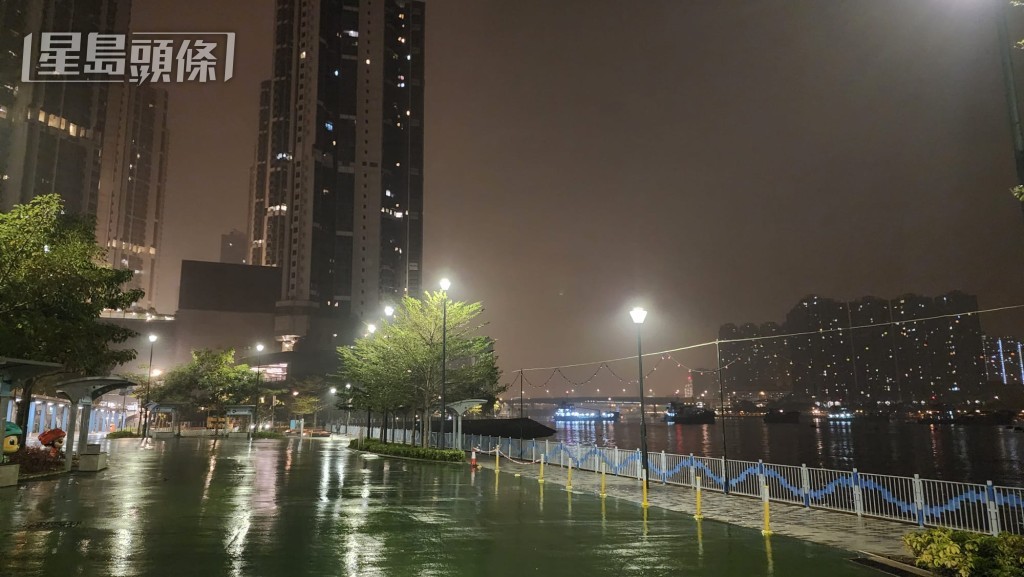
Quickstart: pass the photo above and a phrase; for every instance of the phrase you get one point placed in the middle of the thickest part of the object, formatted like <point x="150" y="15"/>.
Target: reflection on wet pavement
<point x="281" y="508"/>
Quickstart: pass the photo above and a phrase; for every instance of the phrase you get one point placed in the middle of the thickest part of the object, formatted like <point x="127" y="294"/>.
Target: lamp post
<point x="259" y="365"/>
<point x="149" y="385"/>
<point x="445" y="285"/>
<point x="639" y="314"/>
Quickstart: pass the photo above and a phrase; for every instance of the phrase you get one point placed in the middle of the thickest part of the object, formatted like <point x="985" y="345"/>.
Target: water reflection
<point x="271" y="509"/>
<point x="963" y="453"/>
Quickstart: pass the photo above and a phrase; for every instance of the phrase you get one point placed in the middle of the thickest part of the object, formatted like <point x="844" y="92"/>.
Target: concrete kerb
<point x="831" y="528"/>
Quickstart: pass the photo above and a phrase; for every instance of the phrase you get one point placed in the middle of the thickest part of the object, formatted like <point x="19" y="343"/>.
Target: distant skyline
<point x="714" y="162"/>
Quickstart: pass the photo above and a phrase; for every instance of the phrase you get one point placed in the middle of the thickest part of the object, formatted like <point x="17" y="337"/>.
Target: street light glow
<point x="259" y="347"/>
<point x="445" y="284"/>
<point x="152" y="338"/>
<point x="157" y="372"/>
<point x="334" y="390"/>
<point x="638" y="314"/>
<point x="295" y="393"/>
<point x="371" y="328"/>
<point x="389" y="310"/>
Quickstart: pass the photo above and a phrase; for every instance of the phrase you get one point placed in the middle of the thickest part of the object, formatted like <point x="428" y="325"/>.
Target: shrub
<point x="268" y="435"/>
<point x="962" y="554"/>
<point x="409" y="451"/>
<point x="35" y="460"/>
<point x="123" y="434"/>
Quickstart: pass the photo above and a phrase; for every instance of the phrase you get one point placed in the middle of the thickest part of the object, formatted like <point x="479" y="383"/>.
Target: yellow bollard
<point x="767" y="513"/>
<point x="541" y="502"/>
<point x="700" y="543"/>
<point x="603" y="493"/>
<point x="604" y="517"/>
<point x="497" y="459"/>
<point x="568" y="486"/>
<point x="541" y="479"/>
<point x="698" y="516"/>
<point x="643" y="482"/>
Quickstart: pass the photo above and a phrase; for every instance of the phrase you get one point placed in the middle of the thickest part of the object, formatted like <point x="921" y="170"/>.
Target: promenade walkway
<point x="840" y="530"/>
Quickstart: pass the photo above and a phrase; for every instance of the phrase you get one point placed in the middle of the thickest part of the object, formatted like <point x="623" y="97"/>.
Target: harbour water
<point x="948" y="452"/>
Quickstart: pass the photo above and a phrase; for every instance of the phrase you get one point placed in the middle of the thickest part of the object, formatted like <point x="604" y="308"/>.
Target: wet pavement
<point x="276" y="508"/>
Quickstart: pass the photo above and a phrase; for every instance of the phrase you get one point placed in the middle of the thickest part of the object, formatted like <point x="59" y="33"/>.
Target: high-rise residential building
<point x="1004" y="360"/>
<point x="909" y="349"/>
<point x="875" y="363"/>
<point x="752" y="361"/>
<point x="234" y="247"/>
<point x="820" y="350"/>
<point x="133" y="177"/>
<point x="51" y="132"/>
<point x="337" y="197"/>
<point x="102" y="146"/>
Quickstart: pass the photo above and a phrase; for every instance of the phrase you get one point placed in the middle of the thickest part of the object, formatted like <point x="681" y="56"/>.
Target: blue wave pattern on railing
<point x="887" y="496"/>
<point x="1009" y="499"/>
<point x="971" y="495"/>
<point x="783" y="481"/>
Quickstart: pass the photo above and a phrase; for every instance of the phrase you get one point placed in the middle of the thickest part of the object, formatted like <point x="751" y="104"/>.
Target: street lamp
<point x="149" y="385"/>
<point x="445" y="285"/>
<point x="638" y="315"/>
<point x="389" y="310"/>
<point x="259" y="366"/>
<point x="371" y="328"/>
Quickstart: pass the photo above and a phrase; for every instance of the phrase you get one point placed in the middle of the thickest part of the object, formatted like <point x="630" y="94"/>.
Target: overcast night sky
<point x="715" y="161"/>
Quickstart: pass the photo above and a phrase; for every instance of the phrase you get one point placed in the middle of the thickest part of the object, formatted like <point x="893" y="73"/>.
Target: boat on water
<point x="840" y="414"/>
<point x="566" y="413"/>
<point x="998" y="418"/>
<point x="781" y="417"/>
<point x="688" y="414"/>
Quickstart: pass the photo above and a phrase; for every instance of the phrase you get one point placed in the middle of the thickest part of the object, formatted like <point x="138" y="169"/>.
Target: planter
<point x="92" y="463"/>
<point x="9" y="475"/>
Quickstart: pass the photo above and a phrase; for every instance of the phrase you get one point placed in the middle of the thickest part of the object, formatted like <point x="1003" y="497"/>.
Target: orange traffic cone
<point x="472" y="459"/>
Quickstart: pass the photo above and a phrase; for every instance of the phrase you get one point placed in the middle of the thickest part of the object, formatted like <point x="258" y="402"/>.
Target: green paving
<point x="281" y="508"/>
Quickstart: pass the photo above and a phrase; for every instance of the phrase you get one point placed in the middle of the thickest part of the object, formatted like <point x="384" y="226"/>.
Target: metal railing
<point x="980" y="508"/>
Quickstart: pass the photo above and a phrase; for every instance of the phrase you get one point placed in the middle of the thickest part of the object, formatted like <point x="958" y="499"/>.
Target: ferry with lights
<point x="570" y="414"/>
<point x="689" y="414"/>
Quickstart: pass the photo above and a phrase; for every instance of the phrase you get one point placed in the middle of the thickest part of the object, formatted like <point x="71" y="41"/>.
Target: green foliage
<point x="268" y="435"/>
<point x="210" y="380"/>
<point x="53" y="287"/>
<point x="962" y="554"/>
<point x="399" y="366"/>
<point x="122" y="434"/>
<point x="408" y="451"/>
<point x="1018" y="192"/>
<point x="310" y="399"/>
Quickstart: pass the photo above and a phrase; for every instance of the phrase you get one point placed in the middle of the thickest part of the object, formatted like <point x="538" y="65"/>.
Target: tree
<point x="310" y="397"/>
<point x="399" y="366"/>
<point x="211" y="379"/>
<point x="53" y="287"/>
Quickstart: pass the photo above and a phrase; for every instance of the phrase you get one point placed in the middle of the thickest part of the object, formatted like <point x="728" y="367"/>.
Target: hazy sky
<point x="714" y="161"/>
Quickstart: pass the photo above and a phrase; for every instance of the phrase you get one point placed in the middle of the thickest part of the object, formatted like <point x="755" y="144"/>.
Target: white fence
<point x="967" y="506"/>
